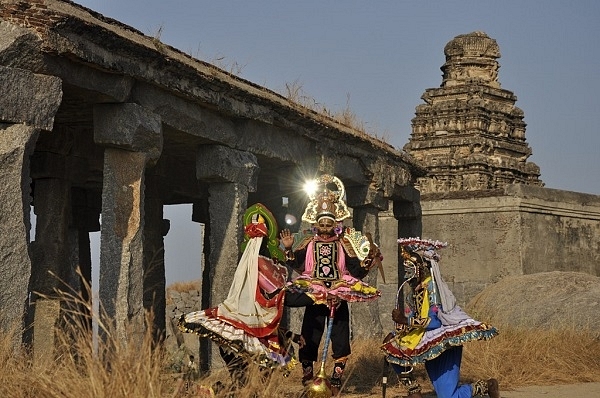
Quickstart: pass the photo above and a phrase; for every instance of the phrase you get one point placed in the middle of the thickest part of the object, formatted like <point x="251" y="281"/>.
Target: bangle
<point x="366" y="263"/>
<point x="289" y="255"/>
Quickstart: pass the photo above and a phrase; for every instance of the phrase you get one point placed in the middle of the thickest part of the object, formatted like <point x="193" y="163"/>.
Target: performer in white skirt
<point x="246" y="324"/>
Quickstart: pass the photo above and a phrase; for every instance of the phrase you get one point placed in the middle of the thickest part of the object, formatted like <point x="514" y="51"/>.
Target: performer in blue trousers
<point x="431" y="328"/>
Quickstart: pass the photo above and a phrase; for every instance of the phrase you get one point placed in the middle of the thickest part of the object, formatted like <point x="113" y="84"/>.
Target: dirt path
<point x="582" y="390"/>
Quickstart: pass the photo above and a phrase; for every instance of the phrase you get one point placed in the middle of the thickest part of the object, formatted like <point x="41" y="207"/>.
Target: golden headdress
<point x="325" y="201"/>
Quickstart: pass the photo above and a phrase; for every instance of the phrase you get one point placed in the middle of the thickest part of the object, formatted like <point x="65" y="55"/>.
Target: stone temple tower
<point x="469" y="134"/>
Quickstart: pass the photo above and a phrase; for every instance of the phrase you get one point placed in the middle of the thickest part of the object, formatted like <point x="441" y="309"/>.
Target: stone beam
<point x="186" y="116"/>
<point x="248" y="135"/>
<point x="29" y="98"/>
<point x="366" y="195"/>
<point x="109" y="86"/>
<point x="378" y="184"/>
<point x="218" y="163"/>
<point x="275" y="142"/>
<point x="349" y="169"/>
<point x="369" y="179"/>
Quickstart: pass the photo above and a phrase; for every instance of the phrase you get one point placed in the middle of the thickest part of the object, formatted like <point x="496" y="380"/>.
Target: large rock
<point x="555" y="300"/>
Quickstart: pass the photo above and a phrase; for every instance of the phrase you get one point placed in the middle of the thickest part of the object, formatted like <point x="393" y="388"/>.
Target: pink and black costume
<point x="330" y="267"/>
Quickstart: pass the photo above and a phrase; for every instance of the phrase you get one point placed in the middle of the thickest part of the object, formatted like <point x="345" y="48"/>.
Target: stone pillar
<point x="388" y="237"/>
<point x="232" y="174"/>
<point x="269" y="193"/>
<point x="86" y="219"/>
<point x="291" y="181"/>
<point x="28" y="104"/>
<point x="407" y="210"/>
<point x="51" y="265"/>
<point x="155" y="228"/>
<point x="133" y="139"/>
<point x="54" y="251"/>
<point x="367" y="201"/>
<point x="16" y="146"/>
<point x="365" y="316"/>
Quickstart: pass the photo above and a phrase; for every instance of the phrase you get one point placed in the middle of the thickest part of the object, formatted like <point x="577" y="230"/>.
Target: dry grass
<point x="185" y="286"/>
<point x="116" y="369"/>
<point x="524" y="357"/>
<point x="517" y="357"/>
<point x="295" y="93"/>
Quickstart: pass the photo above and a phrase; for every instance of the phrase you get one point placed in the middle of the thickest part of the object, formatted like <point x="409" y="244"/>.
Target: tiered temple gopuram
<point x="480" y="193"/>
<point x="469" y="134"/>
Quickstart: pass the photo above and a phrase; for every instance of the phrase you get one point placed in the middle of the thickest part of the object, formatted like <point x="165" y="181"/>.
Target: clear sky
<point x="378" y="57"/>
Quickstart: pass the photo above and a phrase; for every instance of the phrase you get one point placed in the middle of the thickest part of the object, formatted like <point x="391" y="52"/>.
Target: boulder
<point x="558" y="300"/>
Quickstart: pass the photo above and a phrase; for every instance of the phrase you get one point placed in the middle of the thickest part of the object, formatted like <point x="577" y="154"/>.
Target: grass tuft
<point x="84" y="366"/>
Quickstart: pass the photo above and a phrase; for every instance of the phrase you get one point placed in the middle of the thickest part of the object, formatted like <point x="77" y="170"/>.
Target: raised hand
<point x="287" y="239"/>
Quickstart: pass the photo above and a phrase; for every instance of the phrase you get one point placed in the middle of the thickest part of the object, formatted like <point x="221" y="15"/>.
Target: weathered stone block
<point x="16" y="145"/>
<point x="128" y="126"/>
<point x="29" y="98"/>
<point x="218" y="163"/>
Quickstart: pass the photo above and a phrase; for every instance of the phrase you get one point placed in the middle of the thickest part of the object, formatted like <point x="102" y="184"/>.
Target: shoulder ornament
<point x="358" y="242"/>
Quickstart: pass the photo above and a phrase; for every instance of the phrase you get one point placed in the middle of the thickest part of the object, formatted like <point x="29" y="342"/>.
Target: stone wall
<point x="520" y="230"/>
<point x="179" y="344"/>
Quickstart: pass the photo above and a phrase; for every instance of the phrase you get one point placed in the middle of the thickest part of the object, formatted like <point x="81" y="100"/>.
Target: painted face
<point x="325" y="226"/>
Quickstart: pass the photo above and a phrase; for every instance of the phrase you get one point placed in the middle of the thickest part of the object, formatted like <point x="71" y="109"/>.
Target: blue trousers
<point x="444" y="373"/>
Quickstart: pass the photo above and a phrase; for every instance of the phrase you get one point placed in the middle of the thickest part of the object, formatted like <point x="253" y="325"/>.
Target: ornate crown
<point x="326" y="202"/>
<point x="416" y="244"/>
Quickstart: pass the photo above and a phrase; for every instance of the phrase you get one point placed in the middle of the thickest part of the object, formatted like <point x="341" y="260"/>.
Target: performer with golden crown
<point x="331" y="261"/>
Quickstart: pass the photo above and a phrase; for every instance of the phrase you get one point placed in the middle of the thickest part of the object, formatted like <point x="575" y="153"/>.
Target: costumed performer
<point x="246" y="324"/>
<point x="331" y="261"/>
<point x="431" y="328"/>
